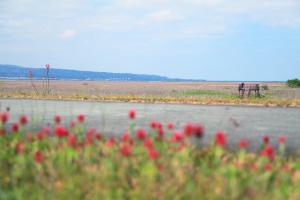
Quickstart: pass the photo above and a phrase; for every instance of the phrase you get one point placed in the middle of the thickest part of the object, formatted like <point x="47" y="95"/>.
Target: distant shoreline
<point x="121" y="80"/>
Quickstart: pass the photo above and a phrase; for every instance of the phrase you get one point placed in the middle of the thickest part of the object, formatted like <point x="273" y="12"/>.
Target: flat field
<point x="273" y="94"/>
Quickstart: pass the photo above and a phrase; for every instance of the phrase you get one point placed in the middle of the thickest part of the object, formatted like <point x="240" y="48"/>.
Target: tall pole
<point x="48" y="78"/>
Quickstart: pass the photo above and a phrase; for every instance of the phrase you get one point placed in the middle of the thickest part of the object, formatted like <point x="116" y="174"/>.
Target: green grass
<point x="209" y="93"/>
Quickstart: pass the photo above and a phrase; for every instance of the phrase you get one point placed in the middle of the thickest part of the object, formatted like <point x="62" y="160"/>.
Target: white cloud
<point x="164" y="15"/>
<point x="68" y="34"/>
<point x="188" y="18"/>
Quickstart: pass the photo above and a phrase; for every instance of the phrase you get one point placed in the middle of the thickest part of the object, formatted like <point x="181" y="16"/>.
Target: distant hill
<point x="21" y="73"/>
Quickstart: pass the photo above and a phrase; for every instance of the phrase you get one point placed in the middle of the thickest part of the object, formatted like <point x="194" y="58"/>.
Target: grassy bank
<point x="212" y="98"/>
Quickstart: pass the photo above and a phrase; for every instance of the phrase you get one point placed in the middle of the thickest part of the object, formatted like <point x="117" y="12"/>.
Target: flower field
<point x="157" y="162"/>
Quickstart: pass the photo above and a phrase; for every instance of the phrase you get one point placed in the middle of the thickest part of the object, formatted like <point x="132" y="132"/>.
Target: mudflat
<point x="179" y="92"/>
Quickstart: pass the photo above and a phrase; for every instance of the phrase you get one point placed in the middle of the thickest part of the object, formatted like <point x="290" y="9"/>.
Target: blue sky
<point x="199" y="39"/>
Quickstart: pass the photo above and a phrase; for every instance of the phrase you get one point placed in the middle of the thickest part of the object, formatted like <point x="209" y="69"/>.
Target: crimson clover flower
<point x="141" y="134"/>
<point x="243" y="143"/>
<point x="40" y="135"/>
<point x="266" y="139"/>
<point x="198" y="130"/>
<point x="23" y="120"/>
<point x="72" y="140"/>
<point x="81" y="118"/>
<point x="125" y="150"/>
<point x="153" y="154"/>
<point x="268" y="167"/>
<point x="4" y="117"/>
<point x="153" y="124"/>
<point x="20" y="148"/>
<point x="57" y="119"/>
<point x="220" y="139"/>
<point x="148" y="143"/>
<point x="110" y="142"/>
<point x="177" y="136"/>
<point x="281" y="139"/>
<point x="193" y="129"/>
<point x="131" y="113"/>
<point x="98" y="136"/>
<point x="170" y="126"/>
<point x="268" y="152"/>
<point x="61" y="131"/>
<point x="125" y="137"/>
<point x="15" y="127"/>
<point x="38" y="157"/>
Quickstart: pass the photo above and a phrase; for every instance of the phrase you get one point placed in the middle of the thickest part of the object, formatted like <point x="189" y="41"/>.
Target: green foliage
<point x="293" y="83"/>
<point x="88" y="167"/>
<point x="204" y="92"/>
<point x="210" y="94"/>
<point x="265" y="87"/>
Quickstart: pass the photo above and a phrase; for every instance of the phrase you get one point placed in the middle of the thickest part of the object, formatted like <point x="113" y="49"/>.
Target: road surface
<point x="111" y="117"/>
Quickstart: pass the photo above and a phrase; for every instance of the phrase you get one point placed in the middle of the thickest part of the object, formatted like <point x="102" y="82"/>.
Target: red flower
<point x="61" y="131"/>
<point x="72" y="140"/>
<point x="170" y="126"/>
<point x="198" y="130"/>
<point x="4" y="117"/>
<point x="15" y="127"/>
<point x="89" y="136"/>
<point x="91" y="132"/>
<point x="29" y="137"/>
<point x="57" y="119"/>
<point x="286" y="168"/>
<point x="148" y="143"/>
<point x="125" y="137"/>
<point x="110" y="142"/>
<point x="23" y="120"/>
<point x="177" y="136"/>
<point x="188" y="129"/>
<point x="193" y="129"/>
<point x="153" y="154"/>
<point x="281" y="139"/>
<point x="220" y="139"/>
<point x="153" y="124"/>
<point x="268" y="166"/>
<point x="160" y="133"/>
<point x="131" y="113"/>
<point x="243" y="143"/>
<point x="254" y="167"/>
<point x="159" y="125"/>
<point x="141" y="134"/>
<point x="125" y="150"/>
<point x="72" y="124"/>
<point x="40" y="135"/>
<point x="98" y="136"/>
<point x="266" y="139"/>
<point x="38" y="157"/>
<point x="81" y="118"/>
<point x="268" y="152"/>
<point x="46" y="131"/>
<point x="20" y="148"/>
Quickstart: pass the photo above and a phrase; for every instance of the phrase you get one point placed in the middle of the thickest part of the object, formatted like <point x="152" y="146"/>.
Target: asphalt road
<point x="111" y="117"/>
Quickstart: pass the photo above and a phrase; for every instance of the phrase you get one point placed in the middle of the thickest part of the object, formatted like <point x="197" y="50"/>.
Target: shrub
<point x="265" y="87"/>
<point x="293" y="83"/>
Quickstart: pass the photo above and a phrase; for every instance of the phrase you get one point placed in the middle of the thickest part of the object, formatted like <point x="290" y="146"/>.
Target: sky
<point x="250" y="40"/>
